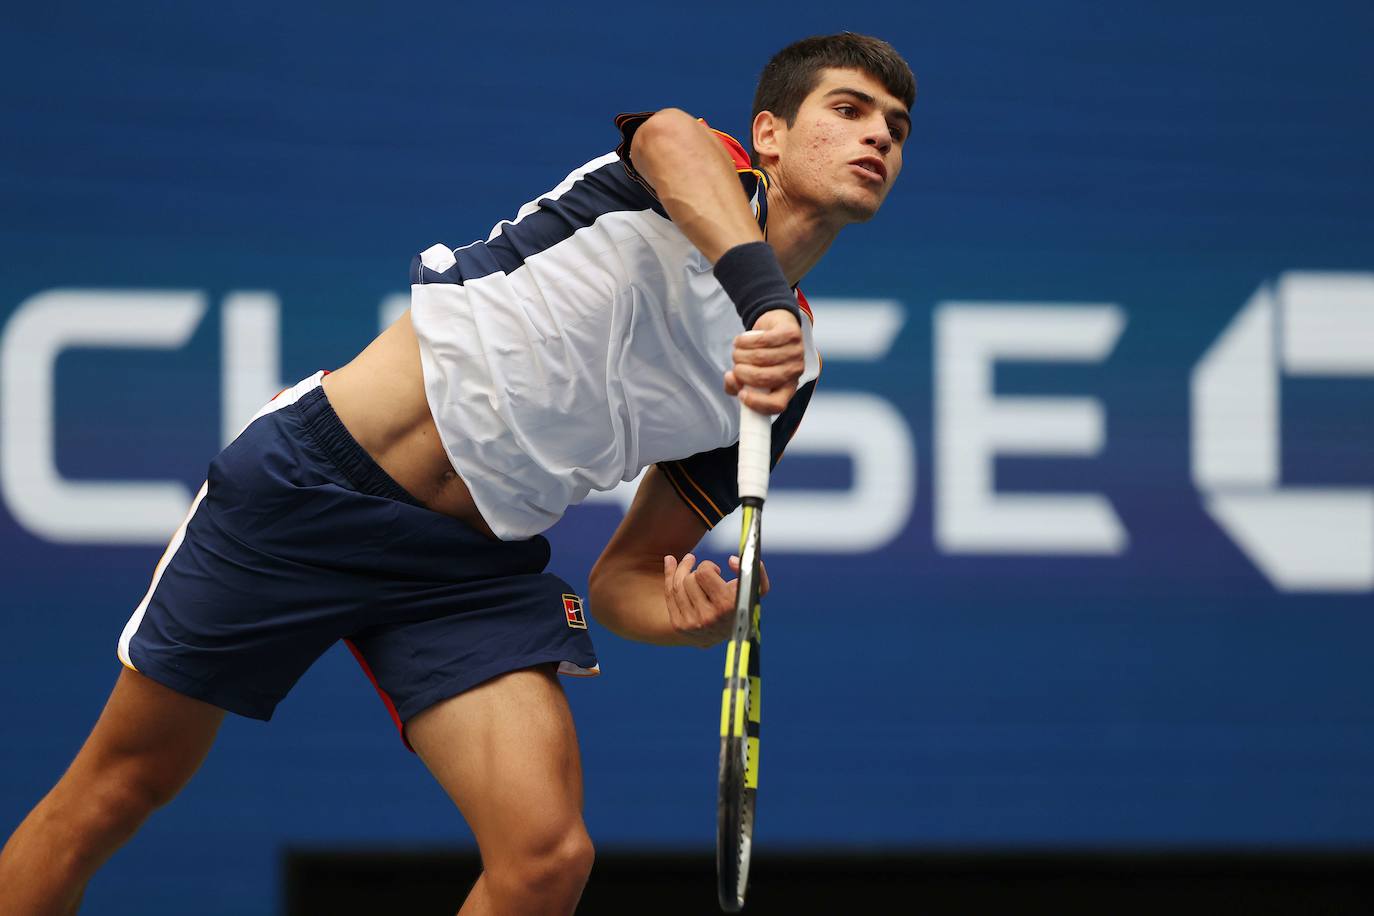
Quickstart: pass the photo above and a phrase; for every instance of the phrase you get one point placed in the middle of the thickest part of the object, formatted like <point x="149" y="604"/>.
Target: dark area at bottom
<point x="434" y="882"/>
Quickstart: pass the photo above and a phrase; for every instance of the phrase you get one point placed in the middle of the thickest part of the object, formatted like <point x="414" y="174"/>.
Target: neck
<point x="800" y="235"/>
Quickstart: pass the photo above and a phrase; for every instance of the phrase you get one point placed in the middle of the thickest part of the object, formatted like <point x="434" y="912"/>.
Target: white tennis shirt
<point x="581" y="342"/>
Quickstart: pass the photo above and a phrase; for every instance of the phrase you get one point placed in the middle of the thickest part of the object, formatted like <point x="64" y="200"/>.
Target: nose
<point x="879" y="137"/>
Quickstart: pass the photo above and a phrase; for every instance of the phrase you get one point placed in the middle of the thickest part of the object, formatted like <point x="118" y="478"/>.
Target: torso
<point x="582" y="341"/>
<point x="380" y="398"/>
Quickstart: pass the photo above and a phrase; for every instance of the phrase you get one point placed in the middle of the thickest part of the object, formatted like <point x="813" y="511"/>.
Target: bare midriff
<point x="380" y="398"/>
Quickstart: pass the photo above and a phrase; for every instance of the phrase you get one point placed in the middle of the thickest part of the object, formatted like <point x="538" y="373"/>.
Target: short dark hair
<point x="794" y="71"/>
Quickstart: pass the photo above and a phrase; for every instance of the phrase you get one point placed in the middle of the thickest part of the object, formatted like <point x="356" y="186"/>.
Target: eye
<point x="847" y="110"/>
<point x="897" y="134"/>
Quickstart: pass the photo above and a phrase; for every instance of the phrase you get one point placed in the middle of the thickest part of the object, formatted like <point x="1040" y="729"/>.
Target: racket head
<point x="740" y="722"/>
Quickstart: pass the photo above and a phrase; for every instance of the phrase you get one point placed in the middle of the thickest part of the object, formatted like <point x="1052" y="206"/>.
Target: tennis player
<point x="397" y="503"/>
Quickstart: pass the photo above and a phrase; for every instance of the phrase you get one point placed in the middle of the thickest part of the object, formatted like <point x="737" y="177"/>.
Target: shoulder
<point x="753" y="181"/>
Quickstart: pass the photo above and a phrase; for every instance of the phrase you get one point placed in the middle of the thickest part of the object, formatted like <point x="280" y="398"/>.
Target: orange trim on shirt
<point x="719" y="514"/>
<point x="682" y="494"/>
<point x="738" y="154"/>
<point x="732" y="146"/>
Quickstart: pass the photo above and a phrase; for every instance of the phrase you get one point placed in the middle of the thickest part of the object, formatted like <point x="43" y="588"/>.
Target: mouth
<point x="873" y="166"/>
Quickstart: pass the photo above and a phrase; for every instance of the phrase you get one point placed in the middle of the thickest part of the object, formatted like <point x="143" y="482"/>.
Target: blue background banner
<point x="1075" y="549"/>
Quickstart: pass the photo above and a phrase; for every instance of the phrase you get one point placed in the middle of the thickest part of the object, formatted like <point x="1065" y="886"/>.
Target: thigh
<point x="148" y="735"/>
<point x="506" y="753"/>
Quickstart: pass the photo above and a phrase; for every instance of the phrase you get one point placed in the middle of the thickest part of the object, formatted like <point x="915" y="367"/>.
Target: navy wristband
<point x="752" y="278"/>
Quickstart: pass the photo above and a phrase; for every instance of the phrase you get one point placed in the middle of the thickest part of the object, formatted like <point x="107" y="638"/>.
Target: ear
<point x="770" y="135"/>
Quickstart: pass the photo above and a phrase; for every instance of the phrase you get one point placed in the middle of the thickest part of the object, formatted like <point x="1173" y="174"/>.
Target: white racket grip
<point x="755" y="444"/>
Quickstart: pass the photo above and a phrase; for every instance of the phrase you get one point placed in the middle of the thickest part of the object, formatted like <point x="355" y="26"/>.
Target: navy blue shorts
<point x="298" y="539"/>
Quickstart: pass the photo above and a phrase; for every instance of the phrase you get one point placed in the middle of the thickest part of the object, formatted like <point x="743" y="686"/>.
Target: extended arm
<point x="640" y="591"/>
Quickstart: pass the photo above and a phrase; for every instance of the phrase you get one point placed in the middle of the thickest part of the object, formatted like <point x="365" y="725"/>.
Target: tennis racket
<point x="739" y="703"/>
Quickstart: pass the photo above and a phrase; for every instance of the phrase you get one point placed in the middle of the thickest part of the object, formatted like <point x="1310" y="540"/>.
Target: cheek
<point x="825" y="133"/>
<point x="818" y="139"/>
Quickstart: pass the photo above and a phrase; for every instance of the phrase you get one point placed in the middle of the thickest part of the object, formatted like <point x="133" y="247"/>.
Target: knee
<point x="575" y="856"/>
<point x="564" y="862"/>
<point x="555" y="868"/>
<point x="124" y="796"/>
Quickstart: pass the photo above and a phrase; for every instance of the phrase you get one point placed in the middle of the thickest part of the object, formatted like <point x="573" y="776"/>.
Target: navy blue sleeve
<point x="708" y="482"/>
<point x="628" y="123"/>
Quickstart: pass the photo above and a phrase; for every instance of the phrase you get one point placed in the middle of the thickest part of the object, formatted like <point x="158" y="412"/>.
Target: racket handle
<point x="755" y="445"/>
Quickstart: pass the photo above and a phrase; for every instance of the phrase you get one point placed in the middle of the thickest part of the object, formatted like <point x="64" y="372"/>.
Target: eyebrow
<point x="899" y="113"/>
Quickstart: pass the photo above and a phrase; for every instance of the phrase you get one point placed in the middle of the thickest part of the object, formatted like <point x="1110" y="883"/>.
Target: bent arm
<point x="696" y="182"/>
<point x="632" y="593"/>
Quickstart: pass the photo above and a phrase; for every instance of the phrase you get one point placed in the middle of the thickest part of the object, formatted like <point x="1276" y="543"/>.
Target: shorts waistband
<point x="348" y="456"/>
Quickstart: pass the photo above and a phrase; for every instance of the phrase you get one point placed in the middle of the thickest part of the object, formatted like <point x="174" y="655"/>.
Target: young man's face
<point x="844" y="150"/>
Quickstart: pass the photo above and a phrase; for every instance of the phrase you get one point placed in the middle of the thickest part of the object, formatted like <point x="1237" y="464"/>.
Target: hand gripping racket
<point x="739" y="704"/>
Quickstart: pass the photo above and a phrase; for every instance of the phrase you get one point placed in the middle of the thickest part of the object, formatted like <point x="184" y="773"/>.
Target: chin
<point x="859" y="208"/>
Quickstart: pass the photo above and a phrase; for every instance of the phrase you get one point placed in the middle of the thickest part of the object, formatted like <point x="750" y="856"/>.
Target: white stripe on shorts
<point x="284" y="399"/>
<point x="131" y="627"/>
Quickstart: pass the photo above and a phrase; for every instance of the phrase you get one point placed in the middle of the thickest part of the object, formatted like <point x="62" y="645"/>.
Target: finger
<point x="770" y="356"/>
<point x="706" y="569"/>
<point x="716" y="590"/>
<point x="788" y="360"/>
<point x="763" y="574"/>
<point x="767" y="377"/>
<point x="691" y="619"/>
<point x="699" y="606"/>
<point x="719" y="612"/>
<point x="779" y="339"/>
<point x="770" y="360"/>
<point x="683" y="570"/>
<point x="770" y="337"/>
<point x="669" y="599"/>
<point x="767" y="402"/>
<point x="681" y="575"/>
<point x="732" y="385"/>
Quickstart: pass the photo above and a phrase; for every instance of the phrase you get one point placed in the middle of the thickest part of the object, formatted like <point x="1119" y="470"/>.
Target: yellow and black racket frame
<point x="739" y="723"/>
